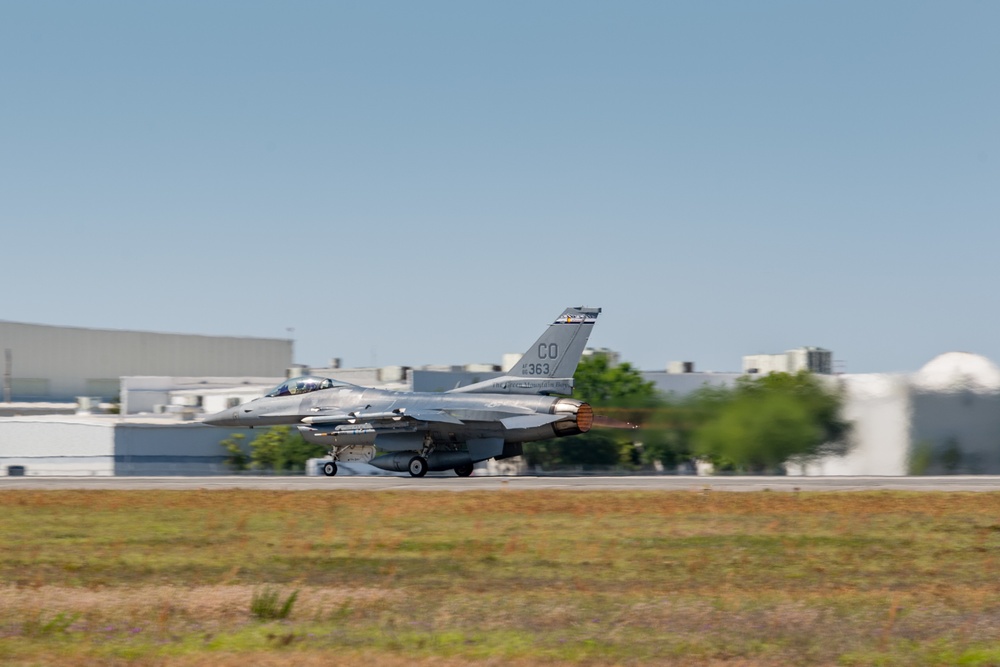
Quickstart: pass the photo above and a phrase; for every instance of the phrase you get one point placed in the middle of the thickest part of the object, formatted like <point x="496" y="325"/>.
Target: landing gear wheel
<point x="329" y="468"/>
<point x="464" y="470"/>
<point x="418" y="466"/>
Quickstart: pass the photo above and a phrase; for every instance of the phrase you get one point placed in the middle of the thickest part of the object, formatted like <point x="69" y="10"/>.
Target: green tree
<point x="757" y="434"/>
<point x="282" y="449"/>
<point x="237" y="457"/>
<point x="764" y="422"/>
<point x="602" y="384"/>
<point x="823" y="404"/>
<point x="668" y="431"/>
<point x="596" y="449"/>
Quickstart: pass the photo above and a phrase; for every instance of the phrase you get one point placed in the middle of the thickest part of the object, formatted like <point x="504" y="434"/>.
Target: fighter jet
<point x="417" y="432"/>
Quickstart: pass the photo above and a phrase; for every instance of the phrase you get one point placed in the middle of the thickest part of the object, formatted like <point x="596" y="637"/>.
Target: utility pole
<point x="8" y="362"/>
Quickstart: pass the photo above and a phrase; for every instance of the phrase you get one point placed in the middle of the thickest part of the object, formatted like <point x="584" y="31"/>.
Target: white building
<point x="614" y="358"/>
<point x="190" y="396"/>
<point x="61" y="363"/>
<point x="812" y="359"/>
<point x="109" y="445"/>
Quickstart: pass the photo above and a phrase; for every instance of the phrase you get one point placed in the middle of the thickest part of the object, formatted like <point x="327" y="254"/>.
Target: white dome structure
<point x="958" y="371"/>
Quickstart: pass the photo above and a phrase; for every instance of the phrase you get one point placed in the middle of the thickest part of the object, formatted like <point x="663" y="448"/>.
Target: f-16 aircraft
<point x="421" y="431"/>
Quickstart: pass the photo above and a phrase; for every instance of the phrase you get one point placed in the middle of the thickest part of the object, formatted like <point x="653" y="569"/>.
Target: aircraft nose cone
<point x="224" y="418"/>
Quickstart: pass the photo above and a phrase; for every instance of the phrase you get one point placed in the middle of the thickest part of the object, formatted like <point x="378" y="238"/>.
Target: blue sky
<point x="431" y="183"/>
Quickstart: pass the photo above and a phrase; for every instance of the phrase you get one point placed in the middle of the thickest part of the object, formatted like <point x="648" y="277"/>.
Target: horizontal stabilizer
<point x="489" y="414"/>
<point x="530" y="421"/>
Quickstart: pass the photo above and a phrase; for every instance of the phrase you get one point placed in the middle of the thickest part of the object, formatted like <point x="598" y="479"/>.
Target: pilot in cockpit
<point x="301" y="385"/>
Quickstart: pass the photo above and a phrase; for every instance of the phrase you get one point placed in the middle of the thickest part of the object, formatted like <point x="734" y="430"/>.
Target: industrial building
<point x="109" y="445"/>
<point x="679" y="384"/>
<point x="53" y="363"/>
<point x="812" y="359"/>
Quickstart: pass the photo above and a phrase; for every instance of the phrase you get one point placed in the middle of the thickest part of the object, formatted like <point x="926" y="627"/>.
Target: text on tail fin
<point x="557" y="352"/>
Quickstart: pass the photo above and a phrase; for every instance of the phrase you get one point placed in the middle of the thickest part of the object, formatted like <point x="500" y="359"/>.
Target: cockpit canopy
<point x="303" y="385"/>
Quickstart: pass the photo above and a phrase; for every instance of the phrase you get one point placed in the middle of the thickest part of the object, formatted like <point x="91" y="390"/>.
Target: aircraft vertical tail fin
<point x="548" y="366"/>
<point x="557" y="352"/>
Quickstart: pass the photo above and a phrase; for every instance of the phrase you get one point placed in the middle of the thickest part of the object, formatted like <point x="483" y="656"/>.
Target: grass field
<point x="505" y="577"/>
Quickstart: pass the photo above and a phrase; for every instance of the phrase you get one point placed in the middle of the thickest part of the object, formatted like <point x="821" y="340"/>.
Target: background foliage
<point x="278" y="449"/>
<point x="755" y="427"/>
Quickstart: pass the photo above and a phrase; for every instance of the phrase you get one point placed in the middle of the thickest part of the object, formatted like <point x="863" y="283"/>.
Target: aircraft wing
<point x="434" y="416"/>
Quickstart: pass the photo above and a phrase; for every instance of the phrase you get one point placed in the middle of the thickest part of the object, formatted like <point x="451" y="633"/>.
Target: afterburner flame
<point x="585" y="417"/>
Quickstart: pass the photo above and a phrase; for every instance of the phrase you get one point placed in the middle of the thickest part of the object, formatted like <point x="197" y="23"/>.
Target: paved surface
<point x="452" y="483"/>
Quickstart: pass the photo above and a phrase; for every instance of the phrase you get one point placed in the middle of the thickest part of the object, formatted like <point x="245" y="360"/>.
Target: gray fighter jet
<point x="419" y="431"/>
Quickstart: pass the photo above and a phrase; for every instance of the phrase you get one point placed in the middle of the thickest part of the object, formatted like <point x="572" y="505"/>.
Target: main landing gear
<point x="417" y="466"/>
<point x="330" y="468"/>
<point x="464" y="470"/>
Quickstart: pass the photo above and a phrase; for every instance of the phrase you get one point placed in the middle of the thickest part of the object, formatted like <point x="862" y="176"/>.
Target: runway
<point x="522" y="483"/>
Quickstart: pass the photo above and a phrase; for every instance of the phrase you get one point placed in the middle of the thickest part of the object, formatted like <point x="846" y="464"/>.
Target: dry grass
<point x="559" y="577"/>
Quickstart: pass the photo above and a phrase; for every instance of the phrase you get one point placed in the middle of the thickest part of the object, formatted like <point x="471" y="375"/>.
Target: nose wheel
<point x="329" y="468"/>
